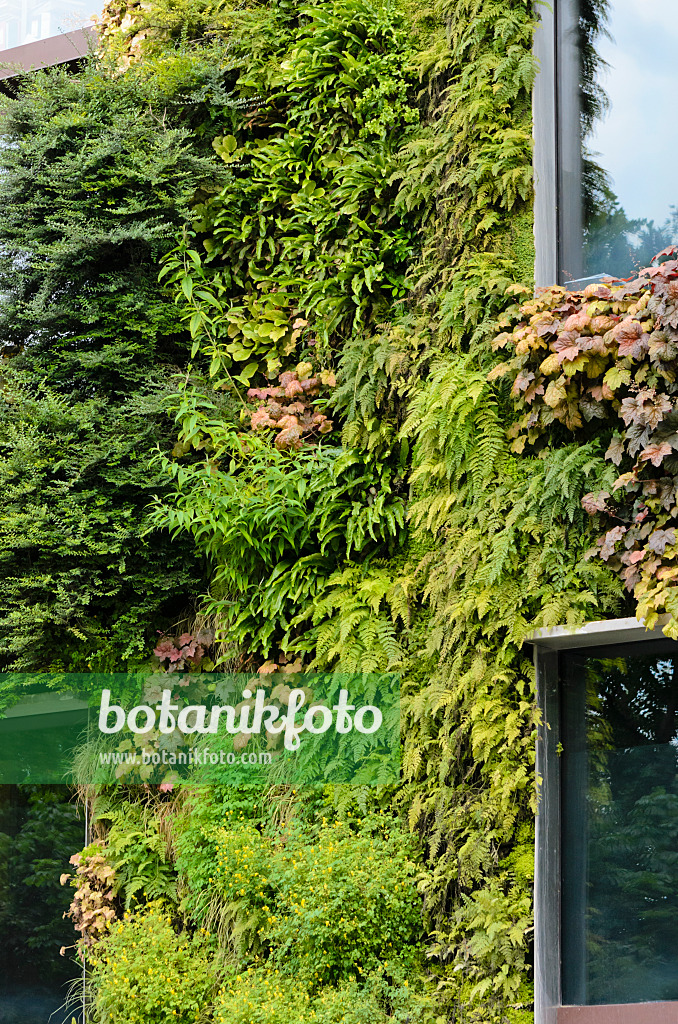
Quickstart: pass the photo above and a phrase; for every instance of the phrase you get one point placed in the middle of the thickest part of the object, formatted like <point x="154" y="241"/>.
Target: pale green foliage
<point x="148" y="973"/>
<point x="359" y="619"/>
<point x="331" y="906"/>
<point x="375" y="375"/>
<point x="264" y="997"/>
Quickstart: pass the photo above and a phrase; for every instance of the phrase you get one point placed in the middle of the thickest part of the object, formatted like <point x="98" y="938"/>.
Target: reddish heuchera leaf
<point x="597" y="291"/>
<point x="645" y="409"/>
<point x="654" y="453"/>
<point x="567" y="347"/>
<point x="630" y="338"/>
<point x="521" y="382"/>
<point x="667" y="270"/>
<point x="603" y="324"/>
<point x="576" y="322"/>
<point x="594" y="344"/>
<point x="630" y="287"/>
<point x="593" y="503"/>
<point x="668" y="251"/>
<point x="533" y="391"/>
<point x="288" y="421"/>
<point x="631" y="577"/>
<point x="261" y="419"/>
<point x="288" y="438"/>
<point x="166" y="650"/>
<point x="656" y="409"/>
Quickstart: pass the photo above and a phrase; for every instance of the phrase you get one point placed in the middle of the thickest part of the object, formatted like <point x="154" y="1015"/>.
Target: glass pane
<point x="629" y="79"/>
<point x="39" y="829"/>
<point x="620" y="827"/>
<point x="27" y="21"/>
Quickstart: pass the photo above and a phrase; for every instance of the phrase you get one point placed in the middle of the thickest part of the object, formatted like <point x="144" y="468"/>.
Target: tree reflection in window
<point x="630" y="830"/>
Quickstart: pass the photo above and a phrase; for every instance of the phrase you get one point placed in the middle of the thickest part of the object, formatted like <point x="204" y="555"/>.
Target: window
<point x="607" y="827"/>
<point x="27" y="21"/>
<point x="620" y="824"/>
<point x="40" y="33"/>
<point x="606" y="138"/>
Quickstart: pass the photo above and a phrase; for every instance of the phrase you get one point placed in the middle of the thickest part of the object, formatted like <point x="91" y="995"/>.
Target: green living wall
<point x="255" y="257"/>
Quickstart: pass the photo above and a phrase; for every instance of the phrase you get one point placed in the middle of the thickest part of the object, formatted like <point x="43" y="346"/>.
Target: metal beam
<point x="46" y="53"/>
<point x="545" y="158"/>
<point x="594" y="634"/>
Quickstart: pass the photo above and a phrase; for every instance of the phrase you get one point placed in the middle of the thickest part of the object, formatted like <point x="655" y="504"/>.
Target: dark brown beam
<point x="46" y="53"/>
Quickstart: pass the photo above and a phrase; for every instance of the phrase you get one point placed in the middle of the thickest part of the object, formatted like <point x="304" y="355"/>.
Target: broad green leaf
<point x="616" y="376"/>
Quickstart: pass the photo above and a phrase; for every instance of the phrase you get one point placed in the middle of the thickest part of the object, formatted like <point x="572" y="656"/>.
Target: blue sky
<point x="638" y="140"/>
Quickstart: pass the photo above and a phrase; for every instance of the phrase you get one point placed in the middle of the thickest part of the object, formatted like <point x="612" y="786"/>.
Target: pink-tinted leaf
<point x="646" y="408"/>
<point x="533" y="391"/>
<point x="521" y="383"/>
<point x="593" y="503"/>
<point x="670" y="250"/>
<point x="603" y="324"/>
<point x="654" y="453"/>
<point x="627" y="333"/>
<point x="577" y="322"/>
<point x="597" y="291"/>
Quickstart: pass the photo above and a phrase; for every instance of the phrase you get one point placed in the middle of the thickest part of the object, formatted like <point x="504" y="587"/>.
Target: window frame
<point x="557" y="159"/>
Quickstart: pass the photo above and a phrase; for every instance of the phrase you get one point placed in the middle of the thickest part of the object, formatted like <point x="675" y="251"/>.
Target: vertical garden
<point x="259" y="267"/>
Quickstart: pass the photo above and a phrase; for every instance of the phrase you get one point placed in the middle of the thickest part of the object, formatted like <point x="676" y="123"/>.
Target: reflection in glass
<point x="39" y="830"/>
<point x="628" y="76"/>
<point x="27" y="21"/>
<point x="620" y="828"/>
